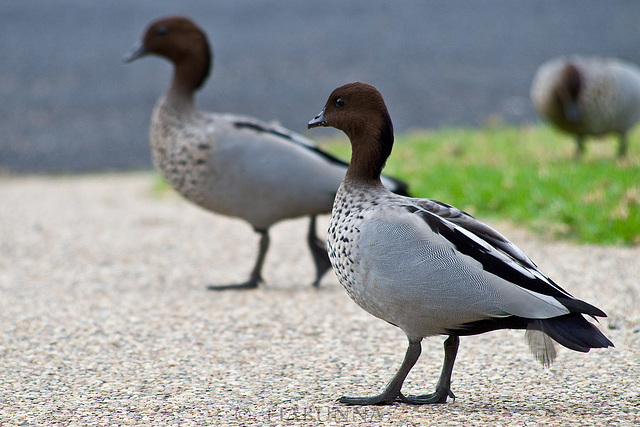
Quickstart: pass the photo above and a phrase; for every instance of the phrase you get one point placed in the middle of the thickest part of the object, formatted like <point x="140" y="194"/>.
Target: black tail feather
<point x="572" y="331"/>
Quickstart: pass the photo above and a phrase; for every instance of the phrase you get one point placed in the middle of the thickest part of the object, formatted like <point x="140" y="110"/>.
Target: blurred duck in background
<point x="235" y="165"/>
<point x="588" y="96"/>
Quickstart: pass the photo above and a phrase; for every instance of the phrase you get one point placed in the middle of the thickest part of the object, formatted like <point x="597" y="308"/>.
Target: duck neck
<point x="370" y="150"/>
<point x="178" y="98"/>
<point x="189" y="76"/>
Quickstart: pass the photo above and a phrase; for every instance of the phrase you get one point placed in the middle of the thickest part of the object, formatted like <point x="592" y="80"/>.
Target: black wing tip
<point x="578" y="306"/>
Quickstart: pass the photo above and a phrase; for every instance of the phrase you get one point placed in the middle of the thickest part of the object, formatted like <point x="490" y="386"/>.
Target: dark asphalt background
<point x="70" y="105"/>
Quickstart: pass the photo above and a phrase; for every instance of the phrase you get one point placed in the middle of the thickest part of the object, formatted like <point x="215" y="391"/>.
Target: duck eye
<point x="162" y="31"/>
<point x="340" y="102"/>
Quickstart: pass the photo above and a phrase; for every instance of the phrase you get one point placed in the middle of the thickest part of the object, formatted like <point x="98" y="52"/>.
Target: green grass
<point x="160" y="186"/>
<point x="527" y="176"/>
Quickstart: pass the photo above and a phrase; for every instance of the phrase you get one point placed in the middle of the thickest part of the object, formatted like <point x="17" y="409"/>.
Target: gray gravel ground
<point x="106" y="321"/>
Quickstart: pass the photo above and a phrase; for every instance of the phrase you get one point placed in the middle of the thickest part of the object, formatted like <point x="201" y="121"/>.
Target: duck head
<point x="182" y="42"/>
<point x="358" y="110"/>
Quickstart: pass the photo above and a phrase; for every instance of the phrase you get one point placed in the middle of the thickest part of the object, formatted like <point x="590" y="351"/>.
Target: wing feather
<point x="393" y="184"/>
<point x="494" y="252"/>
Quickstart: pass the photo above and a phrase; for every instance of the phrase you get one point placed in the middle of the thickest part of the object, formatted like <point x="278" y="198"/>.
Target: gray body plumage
<point x="397" y="268"/>
<point x="605" y="96"/>
<point x="241" y="167"/>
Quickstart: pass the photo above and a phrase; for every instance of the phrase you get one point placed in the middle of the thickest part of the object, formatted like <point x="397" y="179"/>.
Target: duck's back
<point x="611" y="99"/>
<point x="241" y="167"/>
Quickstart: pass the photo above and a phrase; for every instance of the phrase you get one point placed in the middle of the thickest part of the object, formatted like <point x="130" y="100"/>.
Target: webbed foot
<point x="381" y="399"/>
<point x="249" y="284"/>
<point x="439" y="396"/>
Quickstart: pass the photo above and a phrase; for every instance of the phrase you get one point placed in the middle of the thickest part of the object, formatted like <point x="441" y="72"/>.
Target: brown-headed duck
<point x="588" y="96"/>
<point x="230" y="164"/>
<point x="429" y="268"/>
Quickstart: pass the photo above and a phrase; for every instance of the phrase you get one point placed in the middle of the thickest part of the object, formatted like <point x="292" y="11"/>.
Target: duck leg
<point x="579" y="147"/>
<point x="443" y="389"/>
<point x="256" y="274"/>
<point x="622" y="147"/>
<point x="392" y="391"/>
<point x="319" y="252"/>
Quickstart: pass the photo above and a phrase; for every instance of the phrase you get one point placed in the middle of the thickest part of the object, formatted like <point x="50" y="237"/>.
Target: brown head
<point x="182" y="42"/>
<point x="358" y="110"/>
